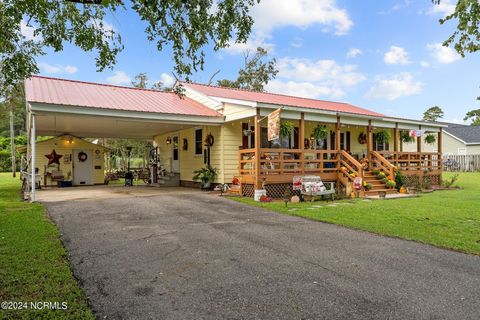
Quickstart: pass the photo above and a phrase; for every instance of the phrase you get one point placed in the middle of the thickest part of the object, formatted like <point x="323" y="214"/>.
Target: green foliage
<point x="140" y="149"/>
<point x="320" y="132"/>
<point x="391" y="183"/>
<point x="6" y="153"/>
<point x="430" y="139"/>
<point x="286" y="128"/>
<point x="206" y="175"/>
<point x="466" y="39"/>
<point x="473" y="115"/>
<point x="185" y="26"/>
<point x="141" y="81"/>
<point x="255" y="74"/>
<point x="406" y="138"/>
<point x="381" y="175"/>
<point x="382" y="136"/>
<point x="399" y="179"/>
<point x="376" y="172"/>
<point x="15" y="102"/>
<point x="433" y="114"/>
<point x="384" y="180"/>
<point x="33" y="262"/>
<point x="448" y="183"/>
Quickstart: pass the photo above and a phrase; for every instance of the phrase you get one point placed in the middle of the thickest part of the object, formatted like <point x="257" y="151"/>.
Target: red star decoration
<point x="53" y="157"/>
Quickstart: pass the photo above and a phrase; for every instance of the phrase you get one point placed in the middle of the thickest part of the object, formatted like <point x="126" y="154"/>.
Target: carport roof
<point x="63" y="92"/>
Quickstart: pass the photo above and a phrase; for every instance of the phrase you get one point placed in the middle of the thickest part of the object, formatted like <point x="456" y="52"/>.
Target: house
<point x="68" y="158"/>
<point x="227" y="129"/>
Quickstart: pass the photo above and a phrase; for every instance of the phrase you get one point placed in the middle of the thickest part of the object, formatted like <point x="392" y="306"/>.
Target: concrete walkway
<point x="198" y="256"/>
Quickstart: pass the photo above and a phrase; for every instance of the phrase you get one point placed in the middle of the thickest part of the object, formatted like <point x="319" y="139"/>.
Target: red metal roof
<point x="95" y="95"/>
<point x="279" y="99"/>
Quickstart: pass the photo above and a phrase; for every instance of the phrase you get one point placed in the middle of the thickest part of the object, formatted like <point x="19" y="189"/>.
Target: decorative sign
<point x="297" y="182"/>
<point x="416" y="133"/>
<point x="357" y="183"/>
<point x="274" y="125"/>
<point x="53" y="157"/>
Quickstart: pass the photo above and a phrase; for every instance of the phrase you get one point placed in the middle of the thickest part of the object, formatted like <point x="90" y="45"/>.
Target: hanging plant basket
<point x="430" y="139"/>
<point x="320" y="132"/>
<point x="406" y="138"/>
<point x="382" y="136"/>
<point x="286" y="129"/>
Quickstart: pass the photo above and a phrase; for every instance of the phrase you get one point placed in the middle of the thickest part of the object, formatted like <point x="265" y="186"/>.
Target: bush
<point x="391" y="184"/>
<point x="399" y="179"/>
<point x="384" y="180"/>
<point x="450" y="182"/>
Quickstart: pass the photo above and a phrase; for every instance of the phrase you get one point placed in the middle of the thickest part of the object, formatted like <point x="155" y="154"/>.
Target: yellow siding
<point x="63" y="147"/>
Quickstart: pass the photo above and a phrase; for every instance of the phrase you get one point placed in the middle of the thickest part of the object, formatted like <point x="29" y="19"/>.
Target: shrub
<point x="399" y="179"/>
<point x="376" y="172"/>
<point x="449" y="183"/>
<point x="391" y="183"/>
<point x="384" y="180"/>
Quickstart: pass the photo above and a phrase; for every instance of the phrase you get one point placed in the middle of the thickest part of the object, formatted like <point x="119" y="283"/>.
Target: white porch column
<point x="33" y="154"/>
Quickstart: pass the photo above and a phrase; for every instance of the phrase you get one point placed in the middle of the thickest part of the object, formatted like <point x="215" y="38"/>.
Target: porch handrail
<point x="352" y="164"/>
<point x="414" y="162"/>
<point x="384" y="164"/>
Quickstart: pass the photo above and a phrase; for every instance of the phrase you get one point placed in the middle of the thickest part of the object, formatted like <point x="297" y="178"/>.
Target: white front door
<point x="175" y="155"/>
<point x="82" y="167"/>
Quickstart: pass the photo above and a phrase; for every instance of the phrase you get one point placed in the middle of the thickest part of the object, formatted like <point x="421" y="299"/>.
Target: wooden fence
<point x="457" y="163"/>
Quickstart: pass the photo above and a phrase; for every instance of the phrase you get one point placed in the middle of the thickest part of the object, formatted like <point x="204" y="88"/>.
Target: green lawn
<point x="448" y="219"/>
<point x="33" y="262"/>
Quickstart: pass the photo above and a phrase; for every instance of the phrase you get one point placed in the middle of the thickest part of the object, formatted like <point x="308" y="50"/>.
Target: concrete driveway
<point x="198" y="256"/>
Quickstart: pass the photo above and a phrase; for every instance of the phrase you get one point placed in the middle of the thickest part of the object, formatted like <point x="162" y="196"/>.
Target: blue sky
<point x="381" y="55"/>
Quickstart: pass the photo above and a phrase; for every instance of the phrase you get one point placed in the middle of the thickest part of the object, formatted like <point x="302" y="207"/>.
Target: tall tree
<point x="474" y="116"/>
<point x="15" y="102"/>
<point x="256" y="73"/>
<point x="433" y="114"/>
<point x="185" y="26"/>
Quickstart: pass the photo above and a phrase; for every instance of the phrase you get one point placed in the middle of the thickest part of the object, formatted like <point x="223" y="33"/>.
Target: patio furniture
<point x="312" y="186"/>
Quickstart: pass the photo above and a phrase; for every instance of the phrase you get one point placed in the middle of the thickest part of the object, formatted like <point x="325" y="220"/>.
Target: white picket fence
<point x="466" y="163"/>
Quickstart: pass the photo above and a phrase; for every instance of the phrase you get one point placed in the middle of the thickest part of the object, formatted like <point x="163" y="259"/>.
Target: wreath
<point x="209" y="140"/>
<point x="362" y="138"/>
<point x="82" y="156"/>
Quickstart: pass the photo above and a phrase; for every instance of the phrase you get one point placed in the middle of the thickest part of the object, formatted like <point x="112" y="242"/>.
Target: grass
<point x="33" y="262"/>
<point x="447" y="219"/>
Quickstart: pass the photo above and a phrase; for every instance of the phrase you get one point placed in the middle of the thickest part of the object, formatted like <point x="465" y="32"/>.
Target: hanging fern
<point x="320" y="132"/>
<point x="430" y="139"/>
<point x="382" y="136"/>
<point x="406" y="138"/>
<point x="286" y="129"/>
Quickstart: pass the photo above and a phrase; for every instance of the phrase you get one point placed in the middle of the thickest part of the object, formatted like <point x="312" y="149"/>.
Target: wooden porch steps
<point x="377" y="185"/>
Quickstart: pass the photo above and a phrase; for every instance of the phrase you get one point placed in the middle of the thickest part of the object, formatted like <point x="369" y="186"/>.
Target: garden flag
<point x="416" y="133"/>
<point x="274" y="125"/>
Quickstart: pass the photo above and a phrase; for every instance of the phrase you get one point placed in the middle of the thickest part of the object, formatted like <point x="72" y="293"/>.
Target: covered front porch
<point x="351" y="150"/>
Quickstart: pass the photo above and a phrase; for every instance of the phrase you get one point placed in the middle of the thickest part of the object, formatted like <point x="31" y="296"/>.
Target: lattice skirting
<point x="275" y="191"/>
<point x="424" y="182"/>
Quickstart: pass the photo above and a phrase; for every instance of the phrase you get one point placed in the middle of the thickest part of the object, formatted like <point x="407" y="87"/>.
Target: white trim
<point x="115" y="113"/>
<point x="217" y="105"/>
<point x="252" y="104"/>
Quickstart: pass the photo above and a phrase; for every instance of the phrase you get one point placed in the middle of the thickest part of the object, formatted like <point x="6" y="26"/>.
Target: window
<point x="198" y="142"/>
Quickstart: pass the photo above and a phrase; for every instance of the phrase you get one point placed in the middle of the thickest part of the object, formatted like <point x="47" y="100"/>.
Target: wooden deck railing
<point x="414" y="163"/>
<point x="379" y="162"/>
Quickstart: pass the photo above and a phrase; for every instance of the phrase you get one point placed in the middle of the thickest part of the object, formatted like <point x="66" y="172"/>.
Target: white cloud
<point x="119" y="78"/>
<point x="425" y="64"/>
<point x="274" y="14"/>
<point x="400" y="85"/>
<point x="297" y="43"/>
<point x="271" y="14"/>
<point x="28" y="31"/>
<point x="57" y="69"/>
<point x="304" y="89"/>
<point x="353" y="53"/>
<point x="396" y="55"/>
<point x="445" y="8"/>
<point x="443" y="54"/>
<point x="167" y="80"/>
<point x="314" y="79"/>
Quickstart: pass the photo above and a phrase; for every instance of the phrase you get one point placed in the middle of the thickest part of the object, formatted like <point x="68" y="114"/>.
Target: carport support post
<point x="256" y="133"/>
<point x="395" y="143"/>
<point x="32" y="162"/>
<point x="301" y="143"/>
<point x="369" y="140"/>
<point x="419" y="141"/>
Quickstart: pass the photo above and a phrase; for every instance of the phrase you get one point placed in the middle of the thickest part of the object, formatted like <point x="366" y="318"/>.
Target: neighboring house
<point x="227" y="129"/>
<point x="457" y="139"/>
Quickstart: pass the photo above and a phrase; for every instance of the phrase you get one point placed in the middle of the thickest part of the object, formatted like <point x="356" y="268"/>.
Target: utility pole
<point x="12" y="144"/>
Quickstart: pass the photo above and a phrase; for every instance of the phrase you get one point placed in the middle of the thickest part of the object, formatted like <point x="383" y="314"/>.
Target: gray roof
<point x="468" y="134"/>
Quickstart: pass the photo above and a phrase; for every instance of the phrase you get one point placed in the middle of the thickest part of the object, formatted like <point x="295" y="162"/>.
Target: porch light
<point x="169" y="140"/>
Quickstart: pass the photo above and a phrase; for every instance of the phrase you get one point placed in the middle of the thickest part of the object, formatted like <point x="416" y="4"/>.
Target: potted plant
<point x="382" y="136"/>
<point x="367" y="185"/>
<point x="406" y="138"/>
<point x="205" y="175"/>
<point x="381" y="175"/>
<point x="430" y="139"/>
<point x="391" y="184"/>
<point x="286" y="129"/>
<point x="320" y="133"/>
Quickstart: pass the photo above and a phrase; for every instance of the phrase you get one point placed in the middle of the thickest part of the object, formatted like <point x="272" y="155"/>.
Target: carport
<point x="91" y="110"/>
